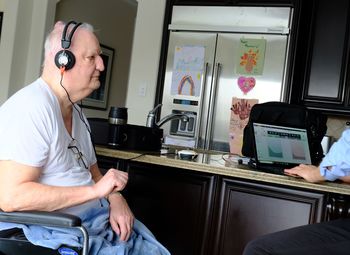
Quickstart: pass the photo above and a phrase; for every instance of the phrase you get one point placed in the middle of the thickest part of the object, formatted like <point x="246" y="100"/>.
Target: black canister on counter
<point x="118" y="115"/>
<point x="117" y="119"/>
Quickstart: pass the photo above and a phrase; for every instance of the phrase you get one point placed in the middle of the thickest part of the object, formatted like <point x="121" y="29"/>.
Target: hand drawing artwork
<point x="246" y="84"/>
<point x="186" y="79"/>
<point x="187" y="71"/>
<point x="241" y="108"/>
<point x="249" y="60"/>
<point x="240" y="111"/>
<point x="252" y="56"/>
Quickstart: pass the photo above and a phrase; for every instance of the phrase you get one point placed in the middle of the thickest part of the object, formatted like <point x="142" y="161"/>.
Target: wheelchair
<point x="13" y="241"/>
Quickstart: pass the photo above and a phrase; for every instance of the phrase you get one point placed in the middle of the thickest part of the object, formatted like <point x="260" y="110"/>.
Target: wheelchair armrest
<point x="49" y="219"/>
<point x="52" y="219"/>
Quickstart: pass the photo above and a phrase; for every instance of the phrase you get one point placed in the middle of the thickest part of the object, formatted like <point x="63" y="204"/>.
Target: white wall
<point x="25" y="25"/>
<point x="7" y="46"/>
<point x="145" y="59"/>
<point x="21" y="51"/>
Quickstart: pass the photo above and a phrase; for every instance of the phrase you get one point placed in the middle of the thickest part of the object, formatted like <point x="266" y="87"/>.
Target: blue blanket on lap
<point x="102" y="239"/>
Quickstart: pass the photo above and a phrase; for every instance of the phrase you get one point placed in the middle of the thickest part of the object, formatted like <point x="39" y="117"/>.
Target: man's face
<point x="84" y="76"/>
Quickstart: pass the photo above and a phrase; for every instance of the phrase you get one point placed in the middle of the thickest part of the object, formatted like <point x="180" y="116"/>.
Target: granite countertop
<point x="218" y="163"/>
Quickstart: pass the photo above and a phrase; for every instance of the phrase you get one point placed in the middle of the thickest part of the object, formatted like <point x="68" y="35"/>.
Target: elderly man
<point x="47" y="160"/>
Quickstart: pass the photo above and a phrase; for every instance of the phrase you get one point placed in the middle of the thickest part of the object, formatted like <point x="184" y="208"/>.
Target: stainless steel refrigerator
<point x="209" y="64"/>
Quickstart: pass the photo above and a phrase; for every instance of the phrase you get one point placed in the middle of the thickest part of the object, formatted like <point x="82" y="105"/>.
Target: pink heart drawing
<point x="246" y="84"/>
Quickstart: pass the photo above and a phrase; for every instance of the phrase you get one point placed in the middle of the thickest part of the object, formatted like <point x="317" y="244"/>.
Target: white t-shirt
<point x="32" y="132"/>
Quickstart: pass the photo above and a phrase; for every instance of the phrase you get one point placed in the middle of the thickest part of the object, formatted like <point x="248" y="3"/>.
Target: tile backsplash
<point x="336" y="125"/>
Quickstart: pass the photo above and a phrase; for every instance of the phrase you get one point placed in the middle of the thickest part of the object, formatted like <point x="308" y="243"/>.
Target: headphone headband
<point x="65" y="59"/>
<point x="67" y="39"/>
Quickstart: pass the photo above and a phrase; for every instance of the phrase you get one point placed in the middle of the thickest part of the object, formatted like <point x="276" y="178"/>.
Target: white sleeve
<point x="25" y="133"/>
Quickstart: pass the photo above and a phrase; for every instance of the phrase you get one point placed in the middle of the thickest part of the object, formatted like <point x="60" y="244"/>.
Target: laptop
<point x="278" y="147"/>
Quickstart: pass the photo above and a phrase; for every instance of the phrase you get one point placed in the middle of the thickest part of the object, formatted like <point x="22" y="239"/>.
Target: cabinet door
<point x="246" y="210"/>
<point x="174" y="204"/>
<point x="327" y="57"/>
<point x="105" y="163"/>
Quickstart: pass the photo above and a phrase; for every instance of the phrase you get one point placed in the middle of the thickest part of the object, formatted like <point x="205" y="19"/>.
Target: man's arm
<point x="336" y="163"/>
<point x="345" y="179"/>
<point x="20" y="190"/>
<point x="121" y="217"/>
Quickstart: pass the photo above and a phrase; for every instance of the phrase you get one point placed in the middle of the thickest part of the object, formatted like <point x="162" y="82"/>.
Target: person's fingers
<point x="115" y="227"/>
<point x="123" y="236"/>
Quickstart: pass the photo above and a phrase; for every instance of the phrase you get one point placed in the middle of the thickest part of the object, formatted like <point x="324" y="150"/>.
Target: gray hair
<point x="53" y="40"/>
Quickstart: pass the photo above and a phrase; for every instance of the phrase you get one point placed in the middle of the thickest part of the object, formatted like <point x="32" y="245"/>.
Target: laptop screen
<point x="277" y="145"/>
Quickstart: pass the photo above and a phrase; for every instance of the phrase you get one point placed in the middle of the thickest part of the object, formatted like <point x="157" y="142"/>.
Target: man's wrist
<point x="326" y="173"/>
<point x="117" y="193"/>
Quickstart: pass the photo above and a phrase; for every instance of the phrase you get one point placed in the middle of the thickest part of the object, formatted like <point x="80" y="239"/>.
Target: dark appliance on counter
<point x="99" y="130"/>
<point x="125" y="136"/>
<point x="117" y="119"/>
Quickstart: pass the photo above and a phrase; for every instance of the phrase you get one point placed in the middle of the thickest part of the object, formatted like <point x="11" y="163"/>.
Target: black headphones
<point x="65" y="58"/>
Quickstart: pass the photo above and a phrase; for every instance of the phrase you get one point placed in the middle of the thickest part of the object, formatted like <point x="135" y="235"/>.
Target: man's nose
<point x="100" y="65"/>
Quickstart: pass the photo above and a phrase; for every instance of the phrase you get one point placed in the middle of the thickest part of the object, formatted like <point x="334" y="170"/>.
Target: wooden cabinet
<point x="322" y="57"/>
<point x="193" y="212"/>
<point x="176" y="205"/>
<point x="245" y="210"/>
<point x="106" y="163"/>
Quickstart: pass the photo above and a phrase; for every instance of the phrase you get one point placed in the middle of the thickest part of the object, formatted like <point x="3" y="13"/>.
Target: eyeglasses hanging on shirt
<point x="74" y="147"/>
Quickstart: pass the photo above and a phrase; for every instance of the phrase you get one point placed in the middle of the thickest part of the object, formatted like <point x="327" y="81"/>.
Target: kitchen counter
<point x="218" y="163"/>
<point x="218" y="199"/>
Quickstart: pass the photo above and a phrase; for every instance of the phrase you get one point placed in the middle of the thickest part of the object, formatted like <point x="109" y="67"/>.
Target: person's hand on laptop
<point x="310" y="173"/>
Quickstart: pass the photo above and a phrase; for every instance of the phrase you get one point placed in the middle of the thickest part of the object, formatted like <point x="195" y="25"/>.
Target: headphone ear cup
<point x="65" y="58"/>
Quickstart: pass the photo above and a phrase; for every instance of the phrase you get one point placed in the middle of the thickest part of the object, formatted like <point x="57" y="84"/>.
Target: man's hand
<point x="345" y="179"/>
<point x="113" y="180"/>
<point x="121" y="218"/>
<point x="310" y="173"/>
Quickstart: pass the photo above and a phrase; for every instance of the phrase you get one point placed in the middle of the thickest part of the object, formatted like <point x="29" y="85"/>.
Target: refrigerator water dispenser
<point x="182" y="127"/>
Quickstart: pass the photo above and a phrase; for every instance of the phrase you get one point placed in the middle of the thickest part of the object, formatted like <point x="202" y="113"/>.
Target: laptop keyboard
<point x="272" y="170"/>
<point x="266" y="169"/>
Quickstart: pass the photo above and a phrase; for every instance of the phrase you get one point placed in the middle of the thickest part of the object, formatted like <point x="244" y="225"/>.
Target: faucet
<point x="151" y="118"/>
<point x="172" y="116"/>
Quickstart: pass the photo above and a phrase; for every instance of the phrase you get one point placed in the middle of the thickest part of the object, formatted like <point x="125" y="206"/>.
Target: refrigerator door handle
<point x="199" y="117"/>
<point x="209" y="131"/>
